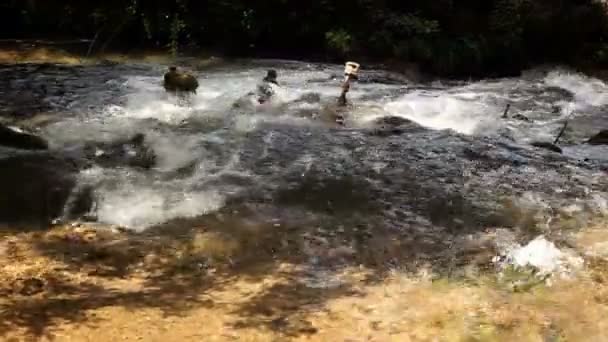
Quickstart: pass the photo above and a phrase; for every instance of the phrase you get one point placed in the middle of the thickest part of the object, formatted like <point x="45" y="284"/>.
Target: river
<point x="458" y="167"/>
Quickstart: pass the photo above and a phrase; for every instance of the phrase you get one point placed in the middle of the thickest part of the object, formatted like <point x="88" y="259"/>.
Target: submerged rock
<point x="547" y="146"/>
<point x="521" y="117"/>
<point x="392" y="121"/>
<point x="599" y="139"/>
<point x="131" y="152"/>
<point x="309" y="98"/>
<point x="35" y="187"/>
<point x="16" y="138"/>
<point x="391" y="125"/>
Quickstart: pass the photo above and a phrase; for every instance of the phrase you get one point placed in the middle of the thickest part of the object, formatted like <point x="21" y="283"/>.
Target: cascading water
<point x="453" y="167"/>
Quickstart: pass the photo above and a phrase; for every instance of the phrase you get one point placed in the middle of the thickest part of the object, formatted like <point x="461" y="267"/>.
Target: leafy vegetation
<point x="461" y="38"/>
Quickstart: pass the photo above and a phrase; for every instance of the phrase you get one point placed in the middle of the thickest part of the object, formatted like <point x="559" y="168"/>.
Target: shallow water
<point x="453" y="170"/>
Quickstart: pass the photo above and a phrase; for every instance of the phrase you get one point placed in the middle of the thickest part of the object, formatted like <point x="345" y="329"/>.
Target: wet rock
<point x="387" y="131"/>
<point x="382" y="77"/>
<point x="547" y="146"/>
<point x="599" y="139"/>
<point x="562" y="93"/>
<point x="309" y="98"/>
<point x="393" y="121"/>
<point x="36" y="121"/>
<point x="177" y="81"/>
<point x="35" y="188"/>
<point x="81" y="205"/>
<point x="521" y="117"/>
<point x="131" y="152"/>
<point x="16" y="138"/>
<point x="107" y="62"/>
<point x="391" y="125"/>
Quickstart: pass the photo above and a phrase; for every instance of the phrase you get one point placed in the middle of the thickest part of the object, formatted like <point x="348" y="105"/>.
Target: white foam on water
<point x="139" y="208"/>
<point x="588" y="91"/>
<point x="137" y="200"/>
<point x="173" y="152"/>
<point x="445" y="112"/>
<point x="148" y="99"/>
<point x="76" y="131"/>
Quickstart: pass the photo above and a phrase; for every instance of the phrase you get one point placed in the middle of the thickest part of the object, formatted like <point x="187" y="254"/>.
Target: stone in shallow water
<point x="393" y="121"/>
<point x="521" y="117"/>
<point x="547" y="146"/>
<point x="35" y="188"/>
<point x="16" y="138"/>
<point x="599" y="139"/>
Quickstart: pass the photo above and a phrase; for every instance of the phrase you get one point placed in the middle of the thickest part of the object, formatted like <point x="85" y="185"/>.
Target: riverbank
<point x="76" y="53"/>
<point x="41" y="52"/>
<point x="89" y="284"/>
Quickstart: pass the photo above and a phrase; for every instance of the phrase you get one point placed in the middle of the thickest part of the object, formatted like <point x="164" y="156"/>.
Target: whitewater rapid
<point x="209" y="154"/>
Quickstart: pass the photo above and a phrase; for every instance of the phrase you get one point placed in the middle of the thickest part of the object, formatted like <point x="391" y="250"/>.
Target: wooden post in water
<point x="506" y="112"/>
<point x="561" y="132"/>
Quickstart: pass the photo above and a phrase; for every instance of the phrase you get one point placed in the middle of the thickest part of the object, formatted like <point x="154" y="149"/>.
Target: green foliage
<point x="339" y="41"/>
<point x="456" y="38"/>
<point x="411" y="25"/>
<point x="177" y="25"/>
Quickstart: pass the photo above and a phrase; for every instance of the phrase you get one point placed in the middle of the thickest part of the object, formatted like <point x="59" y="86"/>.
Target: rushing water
<point x="455" y="168"/>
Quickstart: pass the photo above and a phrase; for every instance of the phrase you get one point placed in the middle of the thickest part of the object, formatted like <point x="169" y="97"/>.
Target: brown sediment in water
<point x="248" y="282"/>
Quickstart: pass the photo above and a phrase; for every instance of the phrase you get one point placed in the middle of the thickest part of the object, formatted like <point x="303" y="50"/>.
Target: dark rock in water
<point x="35" y="188"/>
<point x="81" y="204"/>
<point x="547" y="146"/>
<point x="177" y="81"/>
<point x="562" y="93"/>
<point x="599" y="139"/>
<point x="521" y="117"/>
<point x="17" y="138"/>
<point x="506" y="133"/>
<point x="387" y="131"/>
<point x="131" y="152"/>
<point x="391" y="125"/>
<point x="107" y="62"/>
<point x="309" y="98"/>
<point x="393" y="121"/>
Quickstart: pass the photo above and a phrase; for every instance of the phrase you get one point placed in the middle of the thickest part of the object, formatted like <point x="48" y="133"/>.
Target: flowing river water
<point x="455" y="168"/>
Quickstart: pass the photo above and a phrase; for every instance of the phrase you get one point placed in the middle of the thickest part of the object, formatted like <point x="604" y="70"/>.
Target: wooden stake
<point x="504" y="115"/>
